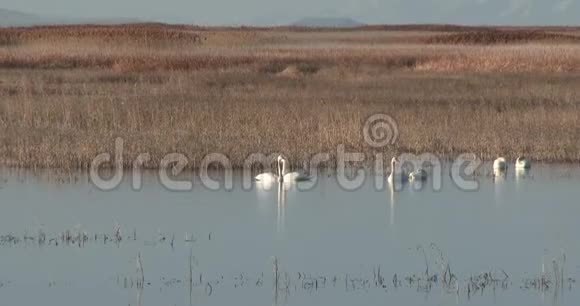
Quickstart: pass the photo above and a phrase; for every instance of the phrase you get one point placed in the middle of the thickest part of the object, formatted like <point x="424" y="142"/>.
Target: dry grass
<point x="490" y="37"/>
<point x="506" y="59"/>
<point x="299" y="93"/>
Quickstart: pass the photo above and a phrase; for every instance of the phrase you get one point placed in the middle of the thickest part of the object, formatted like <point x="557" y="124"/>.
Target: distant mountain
<point x="328" y="22"/>
<point x="10" y="18"/>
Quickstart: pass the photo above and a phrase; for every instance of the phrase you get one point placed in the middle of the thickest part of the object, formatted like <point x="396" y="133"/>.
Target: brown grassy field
<point x="67" y="92"/>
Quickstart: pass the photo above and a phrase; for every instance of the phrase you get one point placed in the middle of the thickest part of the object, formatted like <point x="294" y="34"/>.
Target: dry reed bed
<point x="136" y="33"/>
<point x="517" y="58"/>
<point x="506" y="59"/>
<point x="64" y="119"/>
<point x="489" y="37"/>
<point x="63" y="103"/>
<point x="157" y="32"/>
<point x="154" y="47"/>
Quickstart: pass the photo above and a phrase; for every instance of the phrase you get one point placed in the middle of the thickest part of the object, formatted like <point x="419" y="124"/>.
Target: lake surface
<point x="328" y="245"/>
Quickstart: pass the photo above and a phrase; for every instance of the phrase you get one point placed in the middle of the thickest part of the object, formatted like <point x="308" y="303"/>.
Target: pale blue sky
<point x="234" y="12"/>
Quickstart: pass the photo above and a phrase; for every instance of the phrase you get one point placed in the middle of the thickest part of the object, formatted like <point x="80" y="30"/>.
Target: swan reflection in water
<point x="522" y="174"/>
<point x="264" y="188"/>
<point x="285" y="179"/>
<point x="281" y="207"/>
<point x="392" y="205"/>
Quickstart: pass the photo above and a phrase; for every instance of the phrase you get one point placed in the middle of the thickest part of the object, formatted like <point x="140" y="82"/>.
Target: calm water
<point x="329" y="243"/>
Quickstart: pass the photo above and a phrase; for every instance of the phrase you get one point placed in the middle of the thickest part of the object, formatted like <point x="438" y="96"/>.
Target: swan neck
<point x="279" y="166"/>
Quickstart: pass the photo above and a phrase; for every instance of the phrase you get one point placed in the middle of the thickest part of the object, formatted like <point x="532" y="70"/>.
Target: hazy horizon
<point x="277" y="12"/>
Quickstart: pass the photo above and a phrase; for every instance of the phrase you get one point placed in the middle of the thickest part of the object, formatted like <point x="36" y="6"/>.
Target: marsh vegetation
<point x="67" y="92"/>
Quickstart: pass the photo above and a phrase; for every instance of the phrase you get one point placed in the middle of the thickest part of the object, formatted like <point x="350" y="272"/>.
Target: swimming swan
<point x="523" y="163"/>
<point x="500" y="164"/>
<point x="500" y="167"/>
<point x="397" y="175"/>
<point x="281" y="174"/>
<point x="418" y="175"/>
<point x="296" y="176"/>
<point x="269" y="177"/>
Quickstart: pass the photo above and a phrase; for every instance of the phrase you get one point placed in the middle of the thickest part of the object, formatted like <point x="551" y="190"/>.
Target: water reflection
<point x="499" y="180"/>
<point x="498" y="173"/>
<point x="139" y="294"/>
<point x="392" y="205"/>
<point x="281" y="207"/>
<point x="282" y="188"/>
<point x="398" y="184"/>
<point x="338" y="240"/>
<point x="522" y="174"/>
<point x="420" y="185"/>
<point x="521" y="177"/>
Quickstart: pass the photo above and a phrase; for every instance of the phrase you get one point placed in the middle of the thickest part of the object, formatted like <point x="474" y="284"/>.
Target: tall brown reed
<point x="63" y="103"/>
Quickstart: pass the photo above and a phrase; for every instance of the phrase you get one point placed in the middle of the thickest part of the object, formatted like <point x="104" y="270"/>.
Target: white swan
<point x="523" y="163"/>
<point x="296" y="176"/>
<point x="269" y="177"/>
<point x="397" y="175"/>
<point x="499" y="166"/>
<point x="418" y="175"/>
<point x="282" y="175"/>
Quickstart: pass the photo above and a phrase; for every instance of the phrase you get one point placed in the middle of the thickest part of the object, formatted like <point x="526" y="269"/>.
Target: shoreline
<point x="331" y="169"/>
